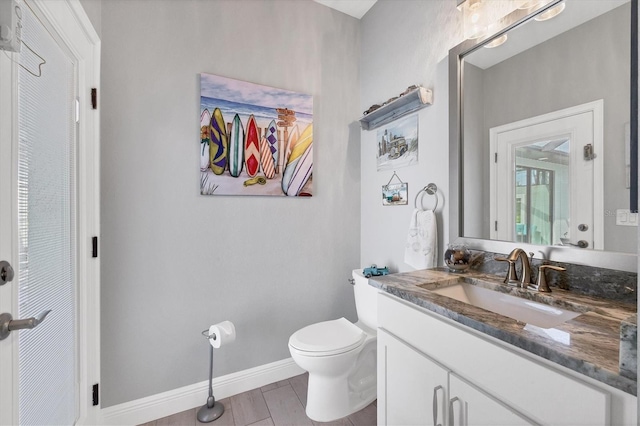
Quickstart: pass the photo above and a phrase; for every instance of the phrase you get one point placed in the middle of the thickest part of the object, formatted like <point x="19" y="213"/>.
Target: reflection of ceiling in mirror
<point x="532" y="33"/>
<point x="555" y="151"/>
<point x="559" y="145"/>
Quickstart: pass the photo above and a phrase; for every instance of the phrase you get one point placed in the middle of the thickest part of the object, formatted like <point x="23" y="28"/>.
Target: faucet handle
<point x="511" y="272"/>
<point x="542" y="285"/>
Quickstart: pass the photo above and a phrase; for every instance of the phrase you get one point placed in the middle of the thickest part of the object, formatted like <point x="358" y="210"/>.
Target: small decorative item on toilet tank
<point x="457" y="257"/>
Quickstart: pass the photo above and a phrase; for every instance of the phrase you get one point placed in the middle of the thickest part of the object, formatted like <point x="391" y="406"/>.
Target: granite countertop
<point x="588" y="344"/>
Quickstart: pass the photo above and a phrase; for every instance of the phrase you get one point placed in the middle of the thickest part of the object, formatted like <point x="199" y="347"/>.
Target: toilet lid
<point x="329" y="336"/>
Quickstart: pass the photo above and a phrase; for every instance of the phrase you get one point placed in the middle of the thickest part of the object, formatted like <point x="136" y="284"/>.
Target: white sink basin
<point x="527" y="311"/>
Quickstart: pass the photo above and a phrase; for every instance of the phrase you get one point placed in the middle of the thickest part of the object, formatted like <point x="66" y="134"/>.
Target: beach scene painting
<point x="254" y="139"/>
<point x="398" y="144"/>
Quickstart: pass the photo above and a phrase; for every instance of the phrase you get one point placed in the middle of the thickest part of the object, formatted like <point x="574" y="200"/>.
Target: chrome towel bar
<point x="430" y="189"/>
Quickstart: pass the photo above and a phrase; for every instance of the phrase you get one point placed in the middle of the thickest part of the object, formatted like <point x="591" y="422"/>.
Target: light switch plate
<point x="624" y="217"/>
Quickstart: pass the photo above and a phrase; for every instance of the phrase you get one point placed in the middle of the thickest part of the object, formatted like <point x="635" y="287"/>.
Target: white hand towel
<point x="421" y="250"/>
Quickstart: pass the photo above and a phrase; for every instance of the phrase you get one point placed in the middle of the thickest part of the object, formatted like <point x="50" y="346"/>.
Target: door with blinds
<point x="45" y="272"/>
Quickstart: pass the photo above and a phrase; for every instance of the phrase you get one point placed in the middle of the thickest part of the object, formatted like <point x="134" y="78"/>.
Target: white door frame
<point x="596" y="108"/>
<point x="68" y="20"/>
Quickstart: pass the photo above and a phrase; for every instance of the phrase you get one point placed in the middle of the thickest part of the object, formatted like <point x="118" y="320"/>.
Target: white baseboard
<point x="166" y="403"/>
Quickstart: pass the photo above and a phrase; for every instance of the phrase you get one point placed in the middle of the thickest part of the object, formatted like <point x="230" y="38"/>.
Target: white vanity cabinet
<point x="419" y="391"/>
<point x="426" y="361"/>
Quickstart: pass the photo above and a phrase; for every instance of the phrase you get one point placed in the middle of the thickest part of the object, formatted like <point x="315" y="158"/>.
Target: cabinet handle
<point x="435" y="405"/>
<point x="451" y="416"/>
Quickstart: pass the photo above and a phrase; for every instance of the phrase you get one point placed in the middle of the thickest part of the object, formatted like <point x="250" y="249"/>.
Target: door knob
<point x="8" y="324"/>
<point x="6" y="272"/>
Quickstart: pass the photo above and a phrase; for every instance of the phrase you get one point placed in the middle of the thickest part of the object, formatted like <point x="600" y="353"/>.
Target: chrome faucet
<point x="518" y="253"/>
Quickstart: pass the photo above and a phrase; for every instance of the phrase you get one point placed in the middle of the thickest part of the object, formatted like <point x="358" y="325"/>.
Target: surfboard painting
<point x="236" y="147"/>
<point x="271" y="135"/>
<point x="266" y="158"/>
<point x="219" y="143"/>
<point x="205" y="139"/>
<point x="250" y="140"/>
<point x="252" y="147"/>
<point x="302" y="172"/>
<point x="297" y="151"/>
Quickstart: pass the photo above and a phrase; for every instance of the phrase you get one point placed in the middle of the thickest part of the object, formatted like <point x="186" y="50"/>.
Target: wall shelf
<point x="411" y="102"/>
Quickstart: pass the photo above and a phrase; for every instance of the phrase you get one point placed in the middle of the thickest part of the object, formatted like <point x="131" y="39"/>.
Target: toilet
<point x="340" y="357"/>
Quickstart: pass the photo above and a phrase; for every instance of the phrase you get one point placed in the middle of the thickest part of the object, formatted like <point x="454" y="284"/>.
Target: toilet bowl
<point x="340" y="357"/>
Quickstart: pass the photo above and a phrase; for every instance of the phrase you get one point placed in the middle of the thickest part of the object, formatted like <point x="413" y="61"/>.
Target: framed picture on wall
<point x="254" y="139"/>
<point x="395" y="194"/>
<point x="398" y="144"/>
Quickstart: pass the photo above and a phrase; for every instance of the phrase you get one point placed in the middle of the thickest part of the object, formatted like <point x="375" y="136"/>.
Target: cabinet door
<point x="470" y="406"/>
<point x="412" y="389"/>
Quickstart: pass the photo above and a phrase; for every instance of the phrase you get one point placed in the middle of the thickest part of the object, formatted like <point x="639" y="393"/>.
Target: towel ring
<point x="430" y="189"/>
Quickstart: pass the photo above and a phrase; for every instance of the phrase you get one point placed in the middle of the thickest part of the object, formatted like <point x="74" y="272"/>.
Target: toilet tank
<point x="366" y="300"/>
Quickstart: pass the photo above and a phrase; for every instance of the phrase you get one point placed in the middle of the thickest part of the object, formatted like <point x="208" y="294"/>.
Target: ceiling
<point x="355" y="8"/>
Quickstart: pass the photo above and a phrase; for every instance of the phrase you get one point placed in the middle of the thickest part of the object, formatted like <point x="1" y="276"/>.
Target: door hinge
<point x="495" y="157"/>
<point x="95" y="395"/>
<point x="495" y="225"/>
<point x="94" y="247"/>
<point x="94" y="98"/>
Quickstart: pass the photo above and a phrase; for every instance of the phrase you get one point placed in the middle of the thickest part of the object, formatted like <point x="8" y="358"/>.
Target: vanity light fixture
<point x="474" y="18"/>
<point x="479" y="16"/>
<point x="498" y="41"/>
<point x="551" y="13"/>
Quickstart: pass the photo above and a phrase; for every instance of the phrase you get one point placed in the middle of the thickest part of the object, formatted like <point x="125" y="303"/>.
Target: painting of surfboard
<point x="302" y="173"/>
<point x="271" y="135"/>
<point x="205" y="139"/>
<point x="266" y="158"/>
<point x="252" y="147"/>
<point x="254" y="139"/>
<point x="219" y="143"/>
<point x="236" y="147"/>
<point x="300" y="160"/>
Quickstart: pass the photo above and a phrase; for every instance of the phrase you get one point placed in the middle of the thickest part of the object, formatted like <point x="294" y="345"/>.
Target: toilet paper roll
<point x="222" y="333"/>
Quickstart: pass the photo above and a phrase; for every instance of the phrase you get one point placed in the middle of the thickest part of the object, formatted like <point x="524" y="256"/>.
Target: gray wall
<point x="587" y="63"/>
<point x="93" y="9"/>
<point x="405" y="43"/>
<point x="173" y="261"/>
<point x="476" y="153"/>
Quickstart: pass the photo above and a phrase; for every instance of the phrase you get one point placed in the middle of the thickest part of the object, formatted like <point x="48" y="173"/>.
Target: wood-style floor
<point x="277" y="404"/>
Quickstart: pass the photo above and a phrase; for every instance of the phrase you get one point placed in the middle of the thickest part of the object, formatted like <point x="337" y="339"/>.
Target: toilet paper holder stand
<point x="211" y="410"/>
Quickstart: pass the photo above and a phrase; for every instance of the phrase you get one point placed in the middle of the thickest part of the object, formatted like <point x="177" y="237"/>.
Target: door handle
<point x="435" y="405"/>
<point x="8" y="324"/>
<point x="451" y="412"/>
<point x="581" y="244"/>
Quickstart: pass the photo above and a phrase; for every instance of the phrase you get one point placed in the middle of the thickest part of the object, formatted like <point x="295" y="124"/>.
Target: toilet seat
<point x="327" y="338"/>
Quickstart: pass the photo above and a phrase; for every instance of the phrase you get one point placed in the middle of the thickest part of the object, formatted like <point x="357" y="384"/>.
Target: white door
<point x="48" y="213"/>
<point x="414" y="387"/>
<point x="545" y="188"/>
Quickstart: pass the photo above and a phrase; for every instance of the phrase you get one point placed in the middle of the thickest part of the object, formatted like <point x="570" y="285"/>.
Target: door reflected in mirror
<point x="544" y="189"/>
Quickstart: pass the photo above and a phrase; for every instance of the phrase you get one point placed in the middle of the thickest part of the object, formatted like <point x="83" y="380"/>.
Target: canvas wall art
<point x="254" y="139"/>
<point x="398" y="144"/>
